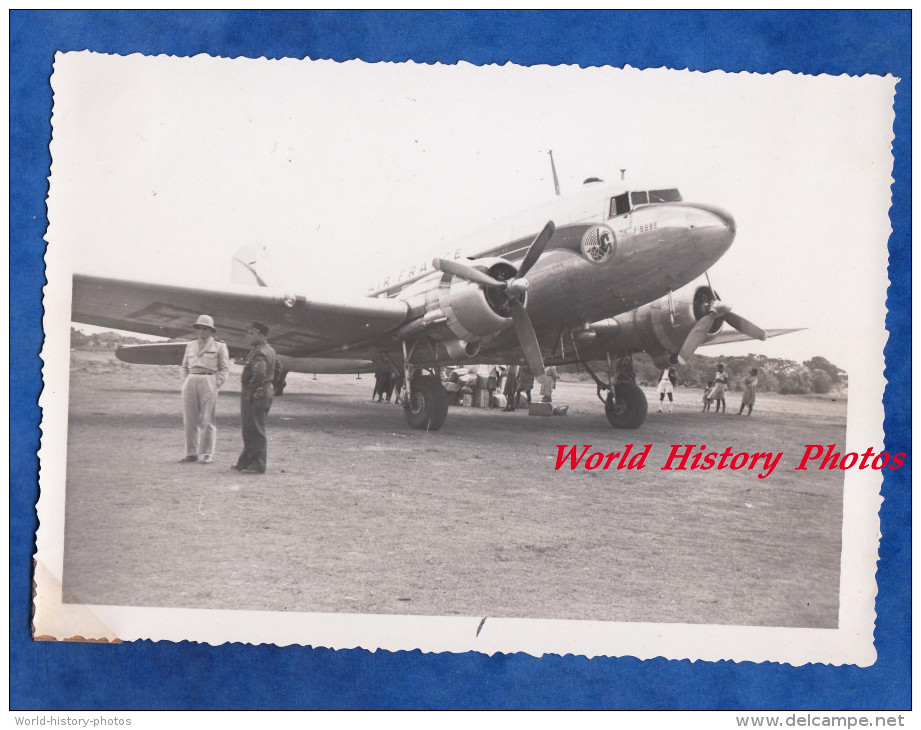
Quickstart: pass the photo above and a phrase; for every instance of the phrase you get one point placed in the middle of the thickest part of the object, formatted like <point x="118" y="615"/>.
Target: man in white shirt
<point x="667" y="387"/>
<point x="204" y="369"/>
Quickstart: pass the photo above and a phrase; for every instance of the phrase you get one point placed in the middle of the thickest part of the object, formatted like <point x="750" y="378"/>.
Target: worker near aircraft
<point x="510" y="391"/>
<point x="748" y="395"/>
<point x="205" y="365"/>
<point x="525" y="383"/>
<point x="667" y="387"/>
<point x="256" y="399"/>
<point x="718" y="391"/>
<point x="548" y="384"/>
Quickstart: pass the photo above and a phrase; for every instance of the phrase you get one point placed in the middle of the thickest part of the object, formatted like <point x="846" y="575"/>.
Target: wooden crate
<point x="540" y="409"/>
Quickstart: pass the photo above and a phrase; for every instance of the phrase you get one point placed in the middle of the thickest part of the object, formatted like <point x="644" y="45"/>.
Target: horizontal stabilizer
<point x="251" y="265"/>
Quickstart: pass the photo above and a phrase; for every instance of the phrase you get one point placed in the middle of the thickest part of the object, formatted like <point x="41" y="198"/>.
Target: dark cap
<point x="260" y="328"/>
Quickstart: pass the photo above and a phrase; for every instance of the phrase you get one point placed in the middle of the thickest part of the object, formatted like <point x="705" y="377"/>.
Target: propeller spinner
<point x="511" y="292"/>
<point x="716" y="309"/>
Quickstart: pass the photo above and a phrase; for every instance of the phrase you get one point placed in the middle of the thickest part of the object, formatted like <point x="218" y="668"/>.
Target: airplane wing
<point x="299" y="326"/>
<point x="724" y="337"/>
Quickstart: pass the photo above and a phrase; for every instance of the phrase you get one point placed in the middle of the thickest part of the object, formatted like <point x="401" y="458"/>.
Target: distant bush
<point x="821" y="381"/>
<point x="101" y="340"/>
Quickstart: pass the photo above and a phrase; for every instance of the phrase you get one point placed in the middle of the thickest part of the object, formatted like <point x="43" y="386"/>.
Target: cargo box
<point x="541" y="409"/>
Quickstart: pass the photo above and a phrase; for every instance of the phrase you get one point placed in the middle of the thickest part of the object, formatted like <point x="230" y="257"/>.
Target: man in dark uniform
<point x="255" y="399"/>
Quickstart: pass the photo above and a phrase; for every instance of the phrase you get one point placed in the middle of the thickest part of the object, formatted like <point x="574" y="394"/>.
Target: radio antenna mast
<point x="556" y="182"/>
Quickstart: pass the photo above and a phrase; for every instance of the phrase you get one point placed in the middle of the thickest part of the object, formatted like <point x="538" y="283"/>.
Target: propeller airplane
<point x="620" y="272"/>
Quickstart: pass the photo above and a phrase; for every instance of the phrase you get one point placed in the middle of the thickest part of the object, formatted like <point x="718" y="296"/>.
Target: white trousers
<point x="199" y="402"/>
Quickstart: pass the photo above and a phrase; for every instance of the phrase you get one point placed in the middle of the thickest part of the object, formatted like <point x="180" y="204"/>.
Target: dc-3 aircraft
<point x="619" y="273"/>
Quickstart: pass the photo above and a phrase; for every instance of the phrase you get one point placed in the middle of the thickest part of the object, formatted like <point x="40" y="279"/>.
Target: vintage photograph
<point x="540" y="359"/>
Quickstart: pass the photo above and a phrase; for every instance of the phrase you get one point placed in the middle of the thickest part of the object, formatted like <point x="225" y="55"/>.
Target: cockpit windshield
<point x="665" y="196"/>
<point x="622" y="204"/>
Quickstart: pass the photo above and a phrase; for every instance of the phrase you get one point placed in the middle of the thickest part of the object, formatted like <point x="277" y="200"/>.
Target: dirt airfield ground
<point x="360" y="514"/>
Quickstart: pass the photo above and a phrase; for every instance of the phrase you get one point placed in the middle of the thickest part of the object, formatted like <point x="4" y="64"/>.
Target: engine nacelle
<point x="661" y="327"/>
<point x="474" y="312"/>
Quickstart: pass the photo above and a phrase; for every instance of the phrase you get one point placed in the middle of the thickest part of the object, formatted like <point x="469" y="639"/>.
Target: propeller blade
<point x="744" y="326"/>
<point x="697" y="335"/>
<point x="527" y="338"/>
<point x="468" y="273"/>
<point x="536" y="249"/>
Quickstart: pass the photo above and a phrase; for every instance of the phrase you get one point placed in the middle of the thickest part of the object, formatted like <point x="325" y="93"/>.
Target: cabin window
<point x="620" y="205"/>
<point x="665" y="196"/>
<point x="639" y="198"/>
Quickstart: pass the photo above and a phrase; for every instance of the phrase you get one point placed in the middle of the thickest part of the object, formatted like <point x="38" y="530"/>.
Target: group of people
<point x="205" y="365"/>
<point x="715" y="392"/>
<point x="387" y="384"/>
<point x="516" y="380"/>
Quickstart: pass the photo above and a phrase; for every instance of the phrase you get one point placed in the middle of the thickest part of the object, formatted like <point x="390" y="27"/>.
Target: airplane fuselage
<point x="608" y="255"/>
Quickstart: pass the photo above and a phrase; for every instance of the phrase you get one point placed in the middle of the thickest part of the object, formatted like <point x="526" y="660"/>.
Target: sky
<point x="164" y="167"/>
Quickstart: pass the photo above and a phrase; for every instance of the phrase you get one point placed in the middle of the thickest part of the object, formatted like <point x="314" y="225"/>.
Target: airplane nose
<point x="727" y="219"/>
<point x="714" y="230"/>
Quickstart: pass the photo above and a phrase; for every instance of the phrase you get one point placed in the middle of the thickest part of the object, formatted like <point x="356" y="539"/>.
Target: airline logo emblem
<point x="598" y="244"/>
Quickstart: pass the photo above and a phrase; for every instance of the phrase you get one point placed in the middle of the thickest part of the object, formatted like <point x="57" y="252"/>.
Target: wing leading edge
<point x="298" y="326"/>
<point x="724" y="338"/>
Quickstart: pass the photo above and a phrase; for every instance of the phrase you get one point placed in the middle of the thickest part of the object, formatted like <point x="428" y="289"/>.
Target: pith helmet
<point x="205" y="320"/>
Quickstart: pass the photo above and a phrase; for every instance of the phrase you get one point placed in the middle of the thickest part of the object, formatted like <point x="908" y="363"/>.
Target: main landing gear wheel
<point x="428" y="406"/>
<point x="627" y="406"/>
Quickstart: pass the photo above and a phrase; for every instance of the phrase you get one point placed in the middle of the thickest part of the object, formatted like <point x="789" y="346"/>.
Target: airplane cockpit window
<point x="619" y="205"/>
<point x="665" y="196"/>
<point x="639" y="198"/>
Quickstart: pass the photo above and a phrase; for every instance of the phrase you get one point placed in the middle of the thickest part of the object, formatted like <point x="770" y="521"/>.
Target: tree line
<point x="100" y="340"/>
<point x="775" y="375"/>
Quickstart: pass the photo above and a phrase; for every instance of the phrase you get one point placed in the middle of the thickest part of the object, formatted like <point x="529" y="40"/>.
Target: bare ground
<point x="361" y="514"/>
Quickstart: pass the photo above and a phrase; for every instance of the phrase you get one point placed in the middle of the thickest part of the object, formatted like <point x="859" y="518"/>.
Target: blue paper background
<point x="146" y="675"/>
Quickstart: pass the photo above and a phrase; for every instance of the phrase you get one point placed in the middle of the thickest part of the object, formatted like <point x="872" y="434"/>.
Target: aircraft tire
<point x="428" y="407"/>
<point x="629" y="410"/>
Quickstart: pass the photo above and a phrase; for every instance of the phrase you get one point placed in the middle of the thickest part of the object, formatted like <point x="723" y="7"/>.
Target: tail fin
<point x="251" y="265"/>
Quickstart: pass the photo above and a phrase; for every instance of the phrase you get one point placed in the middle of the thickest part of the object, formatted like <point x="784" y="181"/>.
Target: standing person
<point x="389" y="382"/>
<point x="382" y="383"/>
<point x="255" y="399"/>
<point x="205" y="365"/>
<point x="375" y="395"/>
<point x="667" y="387"/>
<point x="748" y="394"/>
<point x="511" y="388"/>
<point x="492" y="382"/>
<point x="549" y="383"/>
<point x="396" y="387"/>
<point x="525" y="383"/>
<point x="718" y="391"/>
<point x="707" y="395"/>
